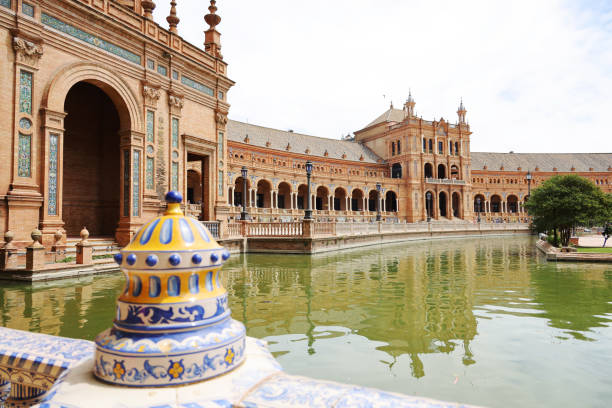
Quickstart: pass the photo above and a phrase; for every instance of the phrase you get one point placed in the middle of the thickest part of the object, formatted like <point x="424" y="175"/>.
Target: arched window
<point x="392" y="148"/>
<point x="399" y="147"/>
<point x="428" y="170"/>
<point x="396" y="171"/>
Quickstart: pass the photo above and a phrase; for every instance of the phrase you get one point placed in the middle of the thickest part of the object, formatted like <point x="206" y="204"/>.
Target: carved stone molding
<point x="176" y="103"/>
<point x="221" y="118"/>
<point x="151" y="95"/>
<point x="27" y="52"/>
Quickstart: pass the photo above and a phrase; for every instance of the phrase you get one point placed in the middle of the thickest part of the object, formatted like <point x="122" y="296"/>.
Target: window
<point x="399" y="147"/>
<point x="450" y="147"/>
<point x="150" y="63"/>
<point x="441" y="147"/>
<point x="456" y="148"/>
<point x="392" y="148"/>
<point x="430" y="145"/>
<point x="424" y="146"/>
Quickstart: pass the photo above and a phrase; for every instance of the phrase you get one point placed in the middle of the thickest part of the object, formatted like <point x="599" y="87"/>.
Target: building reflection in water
<point x="410" y="300"/>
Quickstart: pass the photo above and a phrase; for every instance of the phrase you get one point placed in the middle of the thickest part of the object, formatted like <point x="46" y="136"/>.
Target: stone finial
<point x="307" y="151"/>
<point x="36" y="239"/>
<point x="361" y="158"/>
<point x="326" y="154"/>
<point x="288" y="147"/>
<point x="172" y="19"/>
<point x="573" y="168"/>
<point x="84" y="235"/>
<point x="58" y="235"/>
<point x="246" y="139"/>
<point x="148" y="6"/>
<point x="268" y="143"/>
<point x="344" y="155"/>
<point x="8" y="238"/>
<point x="212" y="19"/>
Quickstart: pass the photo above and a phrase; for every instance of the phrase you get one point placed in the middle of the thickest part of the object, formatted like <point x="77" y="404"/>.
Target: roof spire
<point x="409" y="105"/>
<point x="212" y="38"/>
<point x="172" y="19"/>
<point x="461" y="112"/>
<point x="148" y="6"/>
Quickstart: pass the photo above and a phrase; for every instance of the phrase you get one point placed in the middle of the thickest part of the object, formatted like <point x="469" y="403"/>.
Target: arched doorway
<point x="441" y="171"/>
<point x="430" y="198"/>
<point x="357" y="200"/>
<point x="512" y="204"/>
<point x="264" y="199"/>
<point x="91" y="187"/>
<point x="238" y="188"/>
<point x="479" y="203"/>
<point x="372" y="199"/>
<point x="284" y="195"/>
<point x="442" y="203"/>
<point x="495" y="204"/>
<point x="322" y="199"/>
<point x="396" y="170"/>
<point x="339" y="199"/>
<point x="456" y="203"/>
<point x="428" y="170"/>
<point x="391" y="201"/>
<point x="302" y="193"/>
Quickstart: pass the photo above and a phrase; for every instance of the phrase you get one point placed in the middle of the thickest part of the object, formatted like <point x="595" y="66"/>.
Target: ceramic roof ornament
<point x="172" y="324"/>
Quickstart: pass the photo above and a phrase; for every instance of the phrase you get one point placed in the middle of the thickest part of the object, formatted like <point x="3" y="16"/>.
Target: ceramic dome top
<point x="172" y="241"/>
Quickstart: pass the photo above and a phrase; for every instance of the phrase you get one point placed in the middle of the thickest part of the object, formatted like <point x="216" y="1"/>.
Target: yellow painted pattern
<point x="177" y="243"/>
<point x="184" y="296"/>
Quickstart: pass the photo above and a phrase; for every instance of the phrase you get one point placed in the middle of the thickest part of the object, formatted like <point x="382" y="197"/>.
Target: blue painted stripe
<point x="194" y="283"/>
<point x="137" y="286"/>
<point x="165" y="235"/>
<point x="146" y="235"/>
<point x="174" y="286"/>
<point x="36" y="363"/>
<point x="208" y="281"/>
<point x="185" y="231"/>
<point x="154" y="286"/>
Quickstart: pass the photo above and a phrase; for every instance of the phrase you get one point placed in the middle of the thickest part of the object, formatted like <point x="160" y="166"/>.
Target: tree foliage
<point x="564" y="202"/>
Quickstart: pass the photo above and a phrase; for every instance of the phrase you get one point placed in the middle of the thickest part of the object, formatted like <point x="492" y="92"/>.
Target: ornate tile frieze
<point x="90" y="38"/>
<point x="136" y="184"/>
<point x="175" y="133"/>
<point x="126" y="183"/>
<point x="150" y="168"/>
<point x="25" y="92"/>
<point x="197" y="86"/>
<point x="52" y="203"/>
<point x="24" y="164"/>
<point x="150" y="126"/>
<point x="175" y="176"/>
<point x="5" y="3"/>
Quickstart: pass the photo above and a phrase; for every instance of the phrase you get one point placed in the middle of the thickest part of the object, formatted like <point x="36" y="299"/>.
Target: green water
<point x="481" y="321"/>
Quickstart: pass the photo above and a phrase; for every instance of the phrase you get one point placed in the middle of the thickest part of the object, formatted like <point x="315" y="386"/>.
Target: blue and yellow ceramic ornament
<point x="173" y="325"/>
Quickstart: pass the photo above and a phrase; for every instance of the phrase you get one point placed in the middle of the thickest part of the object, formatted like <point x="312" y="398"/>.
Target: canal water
<point x="483" y="321"/>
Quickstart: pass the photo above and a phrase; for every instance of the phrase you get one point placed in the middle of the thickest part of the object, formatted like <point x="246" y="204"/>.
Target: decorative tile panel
<point x="24" y="163"/>
<point x="175" y="132"/>
<point x="175" y="75"/>
<point x="52" y="204"/>
<point x="25" y="92"/>
<point x="221" y="186"/>
<point x="126" y="183"/>
<point x="150" y="63"/>
<point x="25" y="123"/>
<point x="150" y="126"/>
<point x="136" y="184"/>
<point x="220" y="143"/>
<point x="175" y="176"/>
<point x="149" y="173"/>
<point x="27" y="9"/>
<point x="5" y="3"/>
<point x="162" y="70"/>
<point x="90" y="39"/>
<point x="197" y="86"/>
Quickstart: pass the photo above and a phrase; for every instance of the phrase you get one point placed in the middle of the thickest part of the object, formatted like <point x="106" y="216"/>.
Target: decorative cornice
<point x="27" y="52"/>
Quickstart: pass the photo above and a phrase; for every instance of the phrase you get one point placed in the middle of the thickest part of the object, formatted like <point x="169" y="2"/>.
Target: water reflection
<point x="467" y="320"/>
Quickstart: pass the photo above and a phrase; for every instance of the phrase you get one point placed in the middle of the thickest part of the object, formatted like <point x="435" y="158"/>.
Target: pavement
<point x="594" y="241"/>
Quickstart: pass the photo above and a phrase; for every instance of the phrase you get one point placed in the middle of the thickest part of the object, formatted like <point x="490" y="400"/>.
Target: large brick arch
<point x="117" y="89"/>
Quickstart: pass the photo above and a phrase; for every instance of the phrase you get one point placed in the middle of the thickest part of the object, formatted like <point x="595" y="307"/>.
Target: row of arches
<point x="443" y="204"/>
<point x="495" y="204"/>
<point x="263" y="195"/>
<point x="428" y="171"/>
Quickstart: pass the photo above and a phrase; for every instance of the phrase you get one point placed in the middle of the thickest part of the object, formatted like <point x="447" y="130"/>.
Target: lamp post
<point x="478" y="208"/>
<point x="529" y="177"/>
<point x="244" y="215"/>
<point x="308" y="212"/>
<point x="428" y="198"/>
<point x="378" y="190"/>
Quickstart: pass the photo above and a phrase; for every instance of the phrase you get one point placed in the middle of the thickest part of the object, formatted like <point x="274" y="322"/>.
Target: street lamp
<point x="244" y="215"/>
<point x="379" y="190"/>
<point x="308" y="212"/>
<point x="529" y="177"/>
<point x="478" y="208"/>
<point x="428" y="198"/>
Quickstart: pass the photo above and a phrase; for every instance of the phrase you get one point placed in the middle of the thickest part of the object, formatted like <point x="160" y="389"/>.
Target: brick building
<point x="105" y="110"/>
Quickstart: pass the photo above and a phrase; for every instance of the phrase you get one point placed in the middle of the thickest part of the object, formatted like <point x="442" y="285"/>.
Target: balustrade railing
<point x="213" y="227"/>
<point x="274" y="229"/>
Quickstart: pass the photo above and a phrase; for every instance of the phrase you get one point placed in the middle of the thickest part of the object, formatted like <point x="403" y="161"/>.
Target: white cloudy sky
<point x="535" y="75"/>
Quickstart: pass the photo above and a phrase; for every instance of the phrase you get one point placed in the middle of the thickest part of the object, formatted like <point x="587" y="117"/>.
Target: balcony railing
<point x="430" y="180"/>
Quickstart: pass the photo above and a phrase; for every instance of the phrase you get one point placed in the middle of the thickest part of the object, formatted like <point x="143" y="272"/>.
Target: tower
<point x="409" y="105"/>
<point x="461" y="112"/>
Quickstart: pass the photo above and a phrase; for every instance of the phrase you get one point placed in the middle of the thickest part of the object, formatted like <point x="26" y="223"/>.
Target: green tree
<point x="563" y="202"/>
